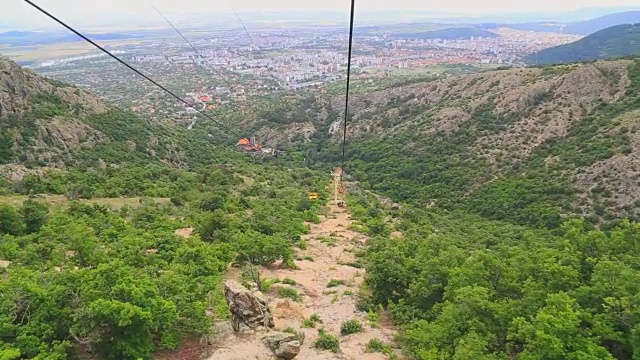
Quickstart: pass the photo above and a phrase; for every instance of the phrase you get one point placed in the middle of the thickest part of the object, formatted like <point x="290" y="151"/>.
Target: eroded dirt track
<point x="330" y="245"/>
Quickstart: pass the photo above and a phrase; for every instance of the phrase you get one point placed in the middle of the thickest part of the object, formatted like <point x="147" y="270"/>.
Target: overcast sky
<point x="16" y="13"/>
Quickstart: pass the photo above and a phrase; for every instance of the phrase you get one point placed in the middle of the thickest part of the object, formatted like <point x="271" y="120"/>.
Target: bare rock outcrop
<point x="249" y="309"/>
<point x="18" y="86"/>
<point x="283" y="345"/>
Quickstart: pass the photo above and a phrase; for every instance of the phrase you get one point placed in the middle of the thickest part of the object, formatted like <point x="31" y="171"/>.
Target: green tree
<point x="10" y="221"/>
<point x="556" y="333"/>
<point x="34" y="214"/>
<point x="259" y="249"/>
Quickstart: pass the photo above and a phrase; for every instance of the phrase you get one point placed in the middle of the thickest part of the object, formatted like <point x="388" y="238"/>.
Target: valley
<point x="490" y="212"/>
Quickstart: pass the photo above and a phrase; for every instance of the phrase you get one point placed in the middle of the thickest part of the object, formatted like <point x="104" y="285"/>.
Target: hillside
<point x="594" y="25"/>
<point x="461" y="33"/>
<point x="586" y="27"/>
<point x="112" y="249"/>
<point x="47" y="124"/>
<point x="615" y="42"/>
<point x="483" y="220"/>
<point x="523" y="145"/>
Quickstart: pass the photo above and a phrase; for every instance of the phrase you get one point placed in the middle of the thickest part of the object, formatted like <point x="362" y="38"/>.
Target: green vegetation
<point x="289" y="281"/>
<point x="614" y="42"/>
<point x="125" y="251"/>
<point x="335" y="283"/>
<point x="311" y="322"/>
<point x="376" y="345"/>
<point x="112" y="274"/>
<point x="447" y="171"/>
<point x="327" y="341"/>
<point x="460" y="286"/>
<point x="350" y="327"/>
<point x="289" y="293"/>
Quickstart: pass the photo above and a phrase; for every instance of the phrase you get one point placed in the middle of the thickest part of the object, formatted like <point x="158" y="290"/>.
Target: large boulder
<point x="283" y="345"/>
<point x="249" y="309"/>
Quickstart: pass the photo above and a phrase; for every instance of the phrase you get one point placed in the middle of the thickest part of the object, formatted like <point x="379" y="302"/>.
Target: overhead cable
<point x="128" y="66"/>
<point x="346" y="105"/>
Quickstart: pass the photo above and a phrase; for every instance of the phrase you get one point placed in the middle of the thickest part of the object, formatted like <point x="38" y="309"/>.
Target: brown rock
<point x="283" y="345"/>
<point x="249" y="309"/>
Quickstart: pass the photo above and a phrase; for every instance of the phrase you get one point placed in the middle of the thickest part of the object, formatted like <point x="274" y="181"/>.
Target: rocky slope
<point x="574" y="122"/>
<point x="19" y="86"/>
<point x="46" y="123"/>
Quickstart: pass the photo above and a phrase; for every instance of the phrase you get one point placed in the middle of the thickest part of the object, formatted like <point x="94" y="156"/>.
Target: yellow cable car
<point x="314" y="196"/>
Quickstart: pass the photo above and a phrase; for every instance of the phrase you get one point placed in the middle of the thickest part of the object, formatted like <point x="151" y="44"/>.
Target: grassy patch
<point x="334" y="283"/>
<point x="377" y="345"/>
<point x="328" y="240"/>
<point x="350" y="327"/>
<point x="289" y="281"/>
<point x="311" y="322"/>
<point x="327" y="341"/>
<point x="289" y="294"/>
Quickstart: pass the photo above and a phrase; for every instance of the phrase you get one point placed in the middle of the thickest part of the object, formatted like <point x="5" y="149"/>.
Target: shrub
<point x="289" y="293"/>
<point x="289" y="281"/>
<point x="373" y="317"/>
<point x="350" y="327"/>
<point x="376" y="345"/>
<point x="327" y="341"/>
<point x="307" y="324"/>
<point x="335" y="282"/>
<point x="311" y="321"/>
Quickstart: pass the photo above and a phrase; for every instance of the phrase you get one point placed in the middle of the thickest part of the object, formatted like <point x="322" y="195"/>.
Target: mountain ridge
<point x="454" y="141"/>
<point x="614" y="42"/>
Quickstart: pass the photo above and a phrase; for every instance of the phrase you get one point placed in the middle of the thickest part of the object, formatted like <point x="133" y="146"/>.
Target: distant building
<point x="247" y="145"/>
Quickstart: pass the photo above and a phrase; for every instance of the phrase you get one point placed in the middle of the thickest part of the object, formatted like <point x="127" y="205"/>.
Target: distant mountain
<point x="614" y="42"/>
<point x="578" y="28"/>
<point x="601" y="23"/>
<point x="461" y="33"/>
<point x="25" y="38"/>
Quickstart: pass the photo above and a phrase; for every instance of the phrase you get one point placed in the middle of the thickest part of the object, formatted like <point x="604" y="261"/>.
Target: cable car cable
<point x="346" y="105"/>
<point x="190" y="44"/>
<point x="223" y="127"/>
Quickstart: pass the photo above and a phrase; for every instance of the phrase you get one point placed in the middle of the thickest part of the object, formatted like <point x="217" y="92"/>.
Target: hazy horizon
<point x="18" y="15"/>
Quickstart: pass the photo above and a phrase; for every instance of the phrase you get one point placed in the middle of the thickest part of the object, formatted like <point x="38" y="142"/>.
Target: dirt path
<point x="329" y="245"/>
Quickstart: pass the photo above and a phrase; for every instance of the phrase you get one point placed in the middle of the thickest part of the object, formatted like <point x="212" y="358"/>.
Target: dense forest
<point x="100" y="268"/>
<point x="117" y="231"/>
<point x="462" y="287"/>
